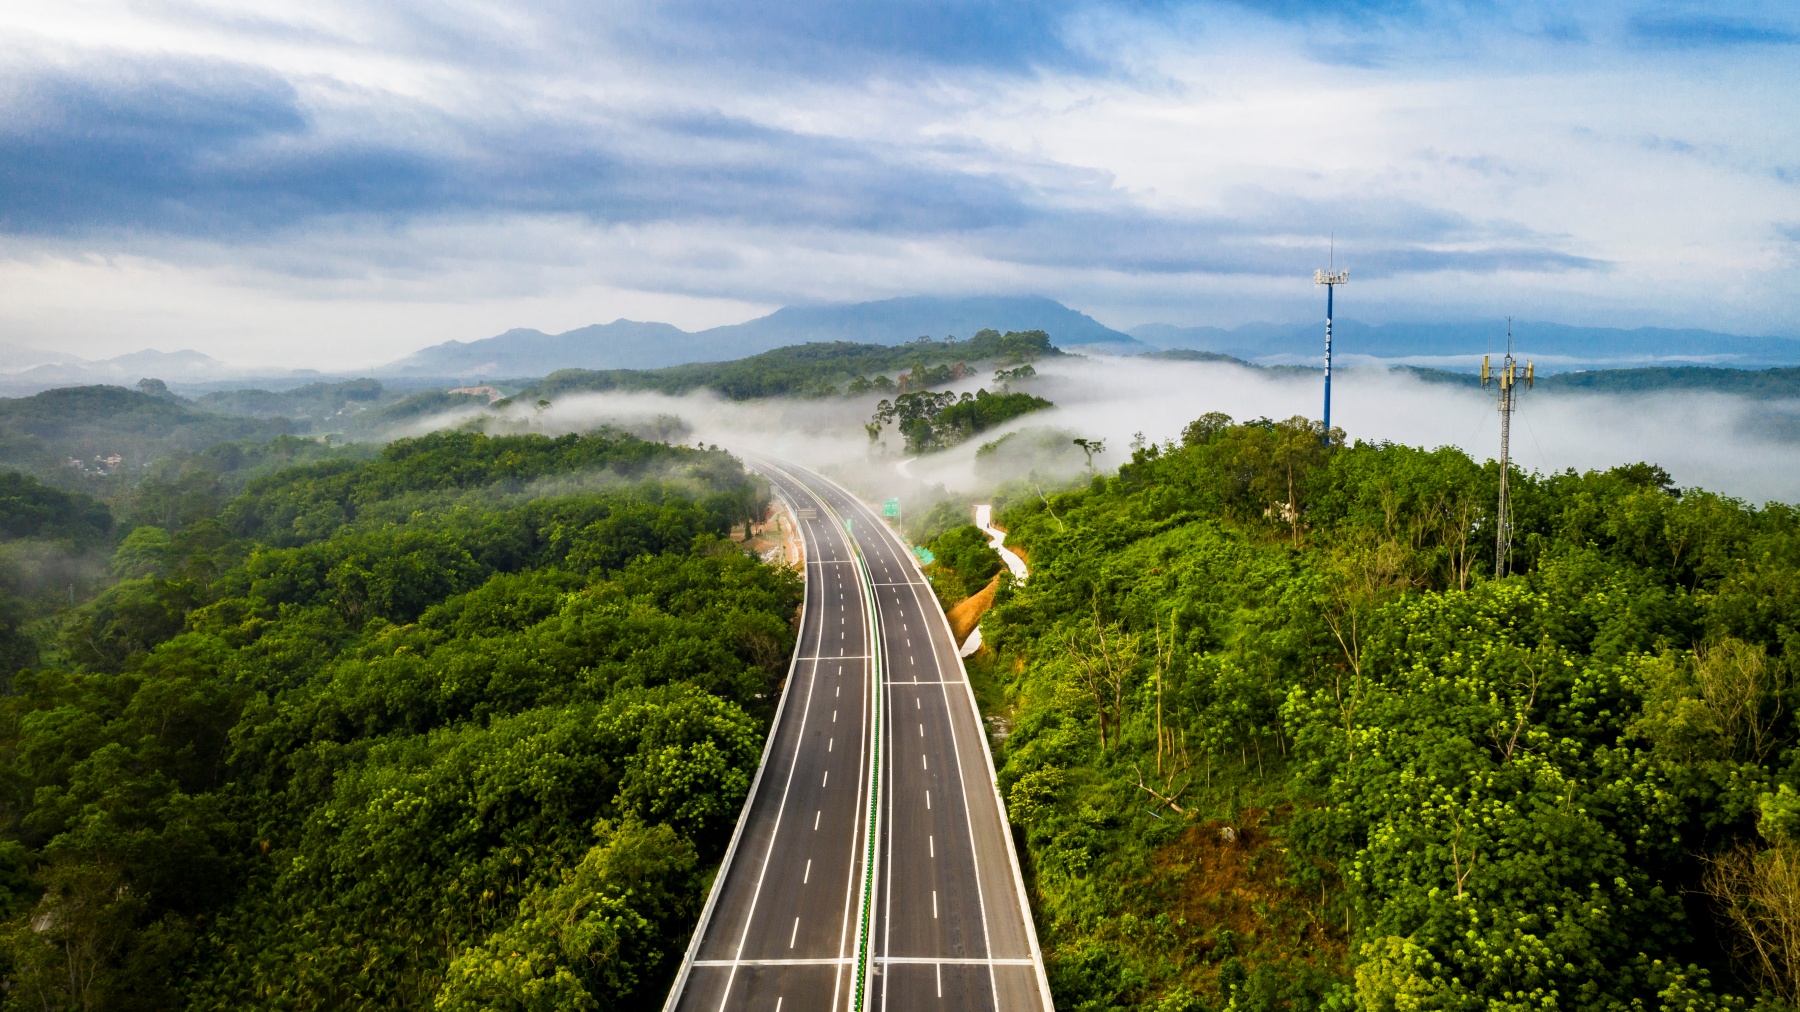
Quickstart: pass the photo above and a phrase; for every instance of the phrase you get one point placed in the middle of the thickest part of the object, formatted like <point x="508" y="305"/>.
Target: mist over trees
<point x="463" y="721"/>
<point x="822" y="369"/>
<point x="933" y="420"/>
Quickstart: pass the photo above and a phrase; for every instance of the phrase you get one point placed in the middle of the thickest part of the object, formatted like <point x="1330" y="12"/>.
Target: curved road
<point x="795" y="922"/>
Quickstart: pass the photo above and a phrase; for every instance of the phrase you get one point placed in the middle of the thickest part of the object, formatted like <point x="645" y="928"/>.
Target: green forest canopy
<point x="931" y="420"/>
<point x="31" y="509"/>
<point x="446" y="728"/>
<point x="801" y="370"/>
<point x="51" y="543"/>
<point x="322" y="401"/>
<point x="1279" y="742"/>
<point x="464" y="722"/>
<point x="65" y="436"/>
<point x="1759" y="384"/>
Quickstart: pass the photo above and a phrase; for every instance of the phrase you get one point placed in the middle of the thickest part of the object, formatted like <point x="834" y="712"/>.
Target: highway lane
<point x="948" y="923"/>
<point x="780" y="923"/>
<point x="953" y="925"/>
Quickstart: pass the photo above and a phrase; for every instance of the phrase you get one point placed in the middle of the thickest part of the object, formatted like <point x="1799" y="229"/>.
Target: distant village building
<point x="101" y="465"/>
<point x="485" y="391"/>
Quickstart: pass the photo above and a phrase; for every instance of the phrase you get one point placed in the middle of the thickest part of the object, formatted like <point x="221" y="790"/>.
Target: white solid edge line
<point x="780" y="812"/>
<point x="797" y="961"/>
<point x="987" y="941"/>
<point x="877" y="782"/>
<point x="1037" y="955"/>
<point x="712" y="895"/>
<point x="954" y="961"/>
<point x="871" y="849"/>
<point x="868" y="812"/>
<point x="840" y="961"/>
<point x="962" y="779"/>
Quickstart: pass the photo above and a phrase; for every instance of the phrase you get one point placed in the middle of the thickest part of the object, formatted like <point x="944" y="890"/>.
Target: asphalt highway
<point x="944" y="911"/>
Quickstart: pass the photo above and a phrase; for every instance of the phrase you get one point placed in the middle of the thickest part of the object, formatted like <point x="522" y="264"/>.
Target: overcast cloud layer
<point x="334" y="184"/>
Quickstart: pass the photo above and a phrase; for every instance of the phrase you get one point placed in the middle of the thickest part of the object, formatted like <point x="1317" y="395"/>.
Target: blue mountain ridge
<point x="629" y="344"/>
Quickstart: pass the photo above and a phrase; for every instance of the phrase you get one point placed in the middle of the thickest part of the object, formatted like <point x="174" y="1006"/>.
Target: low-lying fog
<point x="1719" y="442"/>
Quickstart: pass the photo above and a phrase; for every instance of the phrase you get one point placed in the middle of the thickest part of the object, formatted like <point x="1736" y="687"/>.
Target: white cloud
<point x="554" y="166"/>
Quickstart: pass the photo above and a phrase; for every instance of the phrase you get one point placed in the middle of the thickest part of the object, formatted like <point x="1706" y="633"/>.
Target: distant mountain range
<point x="28" y="370"/>
<point x="629" y="344"/>
<point x="1556" y="347"/>
<point x="525" y="354"/>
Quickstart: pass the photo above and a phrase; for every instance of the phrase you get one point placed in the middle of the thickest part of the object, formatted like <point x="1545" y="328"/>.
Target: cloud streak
<point x="216" y="149"/>
<point x="1180" y="160"/>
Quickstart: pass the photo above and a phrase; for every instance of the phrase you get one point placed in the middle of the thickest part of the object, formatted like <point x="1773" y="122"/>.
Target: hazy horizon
<point x="1349" y="355"/>
<point x="1719" y="442"/>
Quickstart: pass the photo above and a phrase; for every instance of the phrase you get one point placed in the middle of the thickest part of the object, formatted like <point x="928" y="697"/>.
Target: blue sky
<point x="334" y="184"/>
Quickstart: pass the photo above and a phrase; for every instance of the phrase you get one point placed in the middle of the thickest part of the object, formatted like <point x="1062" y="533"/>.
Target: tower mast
<point x="1330" y="278"/>
<point x="1507" y="380"/>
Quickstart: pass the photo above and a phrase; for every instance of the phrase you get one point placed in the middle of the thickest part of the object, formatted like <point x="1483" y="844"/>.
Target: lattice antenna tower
<point x="1330" y="277"/>
<point x="1507" y="378"/>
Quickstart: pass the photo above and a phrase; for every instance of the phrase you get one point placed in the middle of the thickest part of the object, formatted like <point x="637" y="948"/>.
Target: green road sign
<point x="891" y="508"/>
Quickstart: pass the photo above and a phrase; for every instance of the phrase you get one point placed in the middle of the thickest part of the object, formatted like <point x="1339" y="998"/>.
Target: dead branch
<point x="1506" y="751"/>
<point x="1167" y="799"/>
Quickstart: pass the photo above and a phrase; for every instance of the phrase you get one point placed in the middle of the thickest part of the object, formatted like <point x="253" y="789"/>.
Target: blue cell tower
<point x="1330" y="279"/>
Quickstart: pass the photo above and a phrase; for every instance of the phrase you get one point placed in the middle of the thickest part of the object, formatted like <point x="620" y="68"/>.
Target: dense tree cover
<point x="1278" y="741"/>
<point x="930" y="420"/>
<point x="183" y="488"/>
<point x="31" y="509"/>
<point x="298" y="505"/>
<point x="1758" y="384"/>
<point x="66" y="436"/>
<point x="805" y="370"/>
<point x="982" y="411"/>
<point x="51" y="542"/>
<point x="962" y="563"/>
<point x="358" y="408"/>
<point x="464" y="726"/>
<point x="312" y="404"/>
<point x="1764" y="384"/>
<point x="413" y="408"/>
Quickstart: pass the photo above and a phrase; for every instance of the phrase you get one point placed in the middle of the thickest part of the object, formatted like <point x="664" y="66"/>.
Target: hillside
<point x="411" y="732"/>
<point x="1760" y="384"/>
<point x="621" y="344"/>
<point x="809" y="370"/>
<point x="1557" y="346"/>
<point x="1275" y="738"/>
<point x="321" y="403"/>
<point x="628" y="344"/>
<point x="71" y="436"/>
<point x="28" y="370"/>
<point x="1754" y="384"/>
